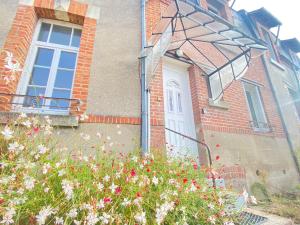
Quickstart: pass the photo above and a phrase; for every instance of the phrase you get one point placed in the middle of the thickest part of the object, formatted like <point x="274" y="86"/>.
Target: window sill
<point x="218" y="104"/>
<point x="277" y="64"/>
<point x="57" y="120"/>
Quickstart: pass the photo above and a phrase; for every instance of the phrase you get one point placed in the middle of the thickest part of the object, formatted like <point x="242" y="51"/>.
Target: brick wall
<point x="20" y="37"/>
<point x="235" y="119"/>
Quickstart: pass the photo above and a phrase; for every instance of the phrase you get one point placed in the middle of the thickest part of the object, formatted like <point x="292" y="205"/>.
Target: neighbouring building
<point x="163" y="72"/>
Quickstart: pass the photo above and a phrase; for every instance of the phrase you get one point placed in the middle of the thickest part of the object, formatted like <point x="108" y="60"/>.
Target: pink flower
<point x="132" y="173"/>
<point x="217" y="157"/>
<point x="118" y="190"/>
<point x="107" y="200"/>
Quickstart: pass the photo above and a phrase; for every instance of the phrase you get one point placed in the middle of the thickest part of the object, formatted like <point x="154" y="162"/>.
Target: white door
<point x="178" y="112"/>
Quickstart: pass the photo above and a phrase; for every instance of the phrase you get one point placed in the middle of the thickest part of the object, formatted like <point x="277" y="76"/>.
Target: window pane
<point x="76" y="38"/>
<point x="67" y="60"/>
<point x="179" y="102"/>
<point x="255" y="106"/>
<point x="39" y="76"/>
<point x="60" y="104"/>
<point x="44" y="57"/>
<point x="37" y="101"/>
<point x="44" y="32"/>
<point x="64" y="79"/>
<point x="251" y="106"/>
<point x="61" y="35"/>
<point x="215" y="86"/>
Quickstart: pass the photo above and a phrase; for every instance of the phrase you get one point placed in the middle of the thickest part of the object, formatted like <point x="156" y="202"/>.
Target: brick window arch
<point x="20" y="37"/>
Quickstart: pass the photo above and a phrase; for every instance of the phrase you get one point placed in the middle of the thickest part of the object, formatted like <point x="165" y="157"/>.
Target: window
<point x="296" y="101"/>
<point x="268" y="39"/>
<point x="258" y="117"/>
<point x="217" y="7"/>
<point x="51" y="67"/>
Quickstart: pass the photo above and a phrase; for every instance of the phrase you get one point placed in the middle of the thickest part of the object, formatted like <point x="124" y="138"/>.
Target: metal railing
<point x="39" y="102"/>
<point x="201" y="143"/>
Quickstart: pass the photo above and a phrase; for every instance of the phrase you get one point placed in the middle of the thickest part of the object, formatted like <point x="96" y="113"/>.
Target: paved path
<point x="272" y="219"/>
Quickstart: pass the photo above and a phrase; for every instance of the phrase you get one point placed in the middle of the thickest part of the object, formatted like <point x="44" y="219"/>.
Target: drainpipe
<point x="144" y="92"/>
<point x="252" y="27"/>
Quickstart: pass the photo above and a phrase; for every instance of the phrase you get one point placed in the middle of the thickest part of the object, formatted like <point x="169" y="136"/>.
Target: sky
<point x="287" y="11"/>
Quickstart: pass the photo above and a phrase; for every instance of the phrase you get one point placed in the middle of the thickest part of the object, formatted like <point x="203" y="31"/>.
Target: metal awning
<point x="207" y="40"/>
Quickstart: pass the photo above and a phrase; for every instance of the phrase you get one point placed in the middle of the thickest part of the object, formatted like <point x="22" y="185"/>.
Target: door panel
<point x="178" y="112"/>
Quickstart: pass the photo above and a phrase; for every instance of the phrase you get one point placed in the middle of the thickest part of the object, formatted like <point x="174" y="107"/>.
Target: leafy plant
<point x="38" y="186"/>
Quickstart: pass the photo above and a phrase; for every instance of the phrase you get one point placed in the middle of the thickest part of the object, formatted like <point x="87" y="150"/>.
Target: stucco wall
<point x="114" y="84"/>
<point x="123" y="138"/>
<point x="7" y="13"/>
<point x="280" y="84"/>
<point x="256" y="152"/>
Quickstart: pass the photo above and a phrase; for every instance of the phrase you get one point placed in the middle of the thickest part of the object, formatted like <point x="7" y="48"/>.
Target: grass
<point x="283" y="205"/>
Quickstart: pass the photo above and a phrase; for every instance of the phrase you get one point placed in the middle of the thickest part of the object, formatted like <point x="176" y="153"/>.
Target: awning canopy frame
<point x="231" y="44"/>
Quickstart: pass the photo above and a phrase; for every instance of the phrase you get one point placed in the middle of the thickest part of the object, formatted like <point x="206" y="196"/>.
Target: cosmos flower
<point x="44" y="213"/>
<point x="140" y="218"/>
<point x="7" y="133"/>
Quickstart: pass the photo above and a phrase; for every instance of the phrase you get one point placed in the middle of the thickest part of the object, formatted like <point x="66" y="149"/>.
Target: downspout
<point x="144" y="91"/>
<point x="288" y="137"/>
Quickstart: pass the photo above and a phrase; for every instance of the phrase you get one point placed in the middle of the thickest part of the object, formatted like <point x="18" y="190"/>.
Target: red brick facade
<point x="235" y="119"/>
<point x="20" y="37"/>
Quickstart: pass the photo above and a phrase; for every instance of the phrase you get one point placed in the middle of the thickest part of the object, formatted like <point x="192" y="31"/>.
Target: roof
<point x="292" y="44"/>
<point x="265" y="17"/>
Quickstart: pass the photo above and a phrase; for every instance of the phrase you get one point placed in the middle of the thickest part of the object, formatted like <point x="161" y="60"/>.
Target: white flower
<point x="29" y="182"/>
<point x="105" y="218"/>
<point x="211" y="206"/>
<point x="140" y="218"/>
<point x="42" y="149"/>
<point x="100" y="186"/>
<point x="220" y="201"/>
<point x="125" y="202"/>
<point x="212" y="219"/>
<point x="68" y="189"/>
<point x="100" y="204"/>
<point x="193" y="188"/>
<point x="163" y="210"/>
<point x="118" y="175"/>
<point x="108" y="138"/>
<point x="92" y="218"/>
<point x="106" y="178"/>
<point x="7" y="133"/>
<point x="59" y="221"/>
<point x="113" y="187"/>
<point x="253" y="200"/>
<point x="23" y="115"/>
<point x="85" y="137"/>
<point x="72" y="214"/>
<point x="13" y="67"/>
<point x="228" y="223"/>
<point x="61" y="172"/>
<point x="155" y="180"/>
<point x="15" y="147"/>
<point x="46" y="190"/>
<point x="99" y="135"/>
<point x="46" y="168"/>
<point x="134" y="158"/>
<point x="119" y="132"/>
<point x="43" y="214"/>
<point x="27" y="123"/>
<point x="8" y="216"/>
<point x="76" y="222"/>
